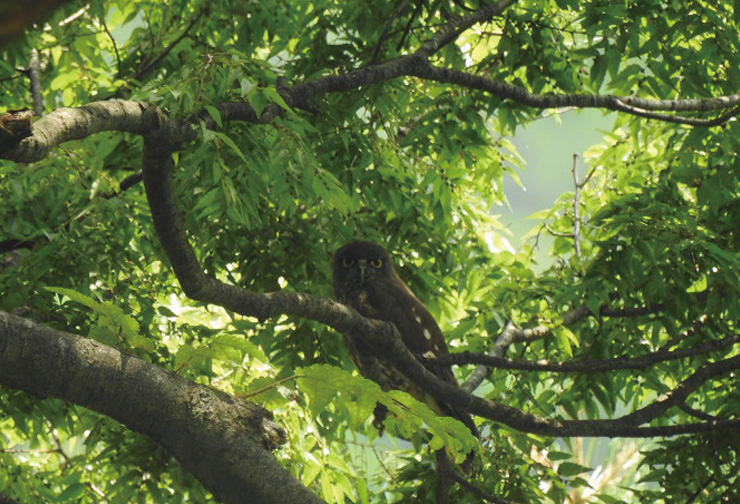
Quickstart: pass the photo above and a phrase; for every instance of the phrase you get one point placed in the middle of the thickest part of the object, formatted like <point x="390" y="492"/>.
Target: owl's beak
<point x="362" y="263"/>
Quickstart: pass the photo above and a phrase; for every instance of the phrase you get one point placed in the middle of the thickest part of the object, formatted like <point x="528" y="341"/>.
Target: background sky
<point x="547" y="146"/>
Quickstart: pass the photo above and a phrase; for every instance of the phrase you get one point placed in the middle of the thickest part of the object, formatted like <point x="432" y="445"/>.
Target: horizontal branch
<point x="629" y="104"/>
<point x="586" y="366"/>
<point x="66" y="124"/>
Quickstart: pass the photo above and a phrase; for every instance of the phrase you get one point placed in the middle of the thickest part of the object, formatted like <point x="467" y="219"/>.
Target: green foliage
<point x="407" y="417"/>
<point x="417" y="165"/>
<point x="112" y="326"/>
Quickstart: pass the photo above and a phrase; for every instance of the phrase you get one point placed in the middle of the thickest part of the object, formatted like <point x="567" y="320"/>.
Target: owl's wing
<point x="393" y="301"/>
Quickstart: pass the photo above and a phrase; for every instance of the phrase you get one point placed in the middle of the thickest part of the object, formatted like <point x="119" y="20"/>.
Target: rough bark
<point x="217" y="438"/>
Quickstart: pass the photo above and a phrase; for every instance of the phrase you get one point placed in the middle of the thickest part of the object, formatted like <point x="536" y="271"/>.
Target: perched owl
<point x="364" y="279"/>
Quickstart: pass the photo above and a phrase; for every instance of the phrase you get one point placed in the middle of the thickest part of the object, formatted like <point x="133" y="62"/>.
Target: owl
<point x="364" y="279"/>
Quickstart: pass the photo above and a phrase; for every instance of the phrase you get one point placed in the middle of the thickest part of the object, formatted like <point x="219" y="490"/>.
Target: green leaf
<point x="274" y="96"/>
<point x="572" y="469"/>
<point x="557" y="456"/>
<point x="75" y="296"/>
<point x="72" y="493"/>
<point x="215" y="114"/>
<point x="228" y="141"/>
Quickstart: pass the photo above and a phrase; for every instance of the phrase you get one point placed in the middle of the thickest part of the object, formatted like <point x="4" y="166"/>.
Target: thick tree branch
<point x="228" y="455"/>
<point x="65" y="124"/>
<point x="162" y="137"/>
<point x="34" y="76"/>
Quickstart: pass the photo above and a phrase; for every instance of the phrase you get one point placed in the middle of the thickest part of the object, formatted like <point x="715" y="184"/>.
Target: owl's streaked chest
<point x="362" y="303"/>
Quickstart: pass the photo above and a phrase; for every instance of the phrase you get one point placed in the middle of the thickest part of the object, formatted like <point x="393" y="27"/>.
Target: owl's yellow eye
<point x="376" y="263"/>
<point x="347" y="262"/>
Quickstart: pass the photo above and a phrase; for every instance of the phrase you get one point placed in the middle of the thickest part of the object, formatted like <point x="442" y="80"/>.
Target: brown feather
<point x="364" y="279"/>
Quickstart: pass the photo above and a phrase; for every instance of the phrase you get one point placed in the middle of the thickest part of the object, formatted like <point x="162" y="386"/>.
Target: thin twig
<point x="384" y="34"/>
<point x="704" y="486"/>
<point x="270" y="386"/>
<point x="587" y="366"/>
<point x="557" y="233"/>
<point x="146" y="68"/>
<point x="696" y="413"/>
<point x="576" y="204"/>
<point x="119" y="72"/>
<point x="478" y="492"/>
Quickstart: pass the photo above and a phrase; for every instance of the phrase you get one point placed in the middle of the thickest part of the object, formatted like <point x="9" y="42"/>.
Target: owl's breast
<point x="363" y="304"/>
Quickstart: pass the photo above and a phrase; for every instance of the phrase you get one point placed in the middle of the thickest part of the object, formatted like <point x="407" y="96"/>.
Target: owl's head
<point x="361" y="262"/>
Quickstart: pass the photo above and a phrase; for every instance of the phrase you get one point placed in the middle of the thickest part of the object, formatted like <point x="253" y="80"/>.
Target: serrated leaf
<point x="104" y="334"/>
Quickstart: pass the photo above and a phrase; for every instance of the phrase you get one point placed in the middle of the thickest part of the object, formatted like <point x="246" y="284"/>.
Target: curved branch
<point x="500" y="346"/>
<point x="65" y="124"/>
<point x="586" y="366"/>
<point x="162" y="137"/>
<point x="381" y="336"/>
<point x="228" y="456"/>
<point x="455" y="26"/>
<point x="678" y="394"/>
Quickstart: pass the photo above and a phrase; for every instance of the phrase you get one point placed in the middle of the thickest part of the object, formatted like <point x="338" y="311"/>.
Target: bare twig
<point x="34" y="74"/>
<point x="145" y="68"/>
<point x="119" y="72"/>
<point x="407" y="28"/>
<point x="76" y="15"/>
<point x="576" y="211"/>
<point x="700" y="490"/>
<point x="556" y="233"/>
<point x="384" y="34"/>
<point x="455" y="26"/>
<point x="478" y="492"/>
<point x="270" y="386"/>
<point x="125" y="184"/>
